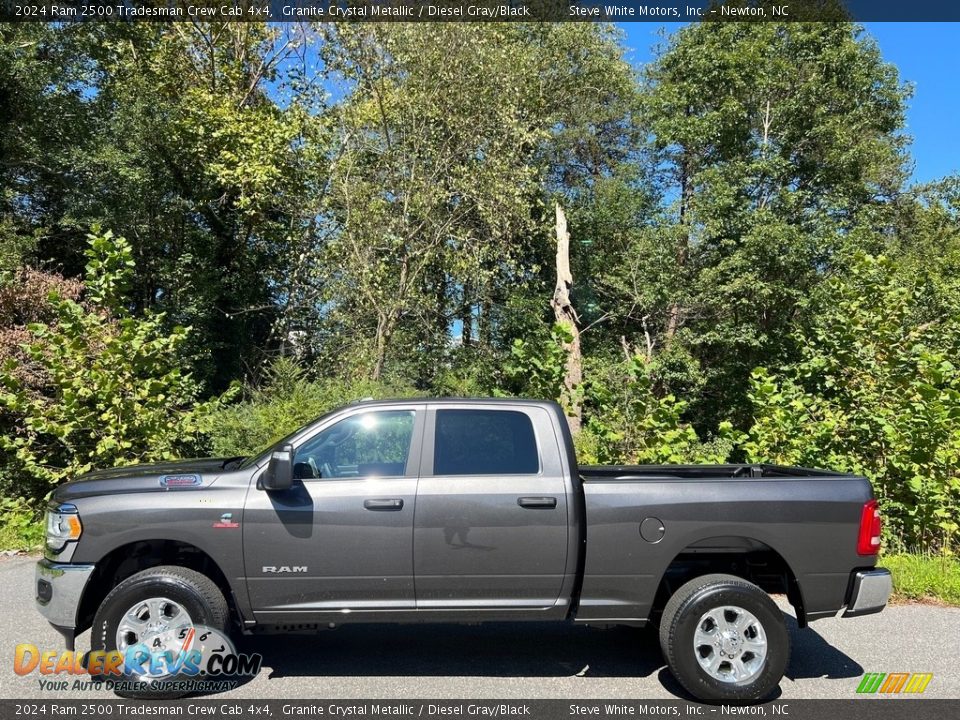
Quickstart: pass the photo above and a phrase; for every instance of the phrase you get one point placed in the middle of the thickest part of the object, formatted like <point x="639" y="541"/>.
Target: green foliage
<point x="876" y="392"/>
<point x="627" y="421"/>
<point x="21" y="527"/>
<point x="626" y="416"/>
<point x="168" y="137"/>
<point x="536" y="368"/>
<point x="43" y="128"/>
<point x="114" y="391"/>
<point x="286" y="400"/>
<point x="109" y="271"/>
<point x="769" y="144"/>
<point x="450" y="134"/>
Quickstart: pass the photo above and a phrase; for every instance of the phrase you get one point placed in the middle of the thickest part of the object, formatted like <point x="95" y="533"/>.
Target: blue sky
<point x="925" y="53"/>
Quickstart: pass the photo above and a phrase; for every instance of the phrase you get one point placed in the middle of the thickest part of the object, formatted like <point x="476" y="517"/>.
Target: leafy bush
<point x="536" y="367"/>
<point x="21" y="527"/>
<point x="877" y="393"/>
<point x="286" y="400"/>
<point x="626" y="419"/>
<point x="112" y="389"/>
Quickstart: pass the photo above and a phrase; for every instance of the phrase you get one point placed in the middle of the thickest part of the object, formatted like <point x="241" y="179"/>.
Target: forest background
<point x="212" y="233"/>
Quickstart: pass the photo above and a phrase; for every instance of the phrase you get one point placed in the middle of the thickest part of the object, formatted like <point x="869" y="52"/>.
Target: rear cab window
<point x="484" y="442"/>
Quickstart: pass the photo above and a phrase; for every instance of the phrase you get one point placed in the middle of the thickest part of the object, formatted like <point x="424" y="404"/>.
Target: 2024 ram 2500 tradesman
<point x="463" y="511"/>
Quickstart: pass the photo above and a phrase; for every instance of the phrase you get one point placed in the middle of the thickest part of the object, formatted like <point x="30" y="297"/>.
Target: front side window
<point x="371" y="444"/>
<point x="484" y="442"/>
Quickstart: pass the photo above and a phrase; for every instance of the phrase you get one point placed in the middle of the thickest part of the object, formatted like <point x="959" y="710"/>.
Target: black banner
<point x="478" y="10"/>
<point x="862" y="708"/>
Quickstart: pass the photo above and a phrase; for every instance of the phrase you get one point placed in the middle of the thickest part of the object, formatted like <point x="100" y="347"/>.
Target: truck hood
<point x="155" y="477"/>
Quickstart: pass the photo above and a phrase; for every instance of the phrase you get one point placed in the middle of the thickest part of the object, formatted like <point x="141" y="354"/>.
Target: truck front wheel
<point x="156" y="611"/>
<point x="724" y="639"/>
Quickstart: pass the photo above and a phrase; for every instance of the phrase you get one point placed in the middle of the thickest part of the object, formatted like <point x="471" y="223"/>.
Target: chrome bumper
<point x="869" y="592"/>
<point x="59" y="587"/>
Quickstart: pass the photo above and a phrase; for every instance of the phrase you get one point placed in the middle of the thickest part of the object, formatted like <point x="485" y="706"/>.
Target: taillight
<point x="868" y="539"/>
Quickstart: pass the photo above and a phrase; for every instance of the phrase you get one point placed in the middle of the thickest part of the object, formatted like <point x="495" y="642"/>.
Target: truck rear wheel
<point x="155" y="608"/>
<point x="724" y="639"/>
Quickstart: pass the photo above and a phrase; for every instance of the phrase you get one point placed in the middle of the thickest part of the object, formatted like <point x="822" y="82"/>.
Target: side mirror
<point x="279" y="472"/>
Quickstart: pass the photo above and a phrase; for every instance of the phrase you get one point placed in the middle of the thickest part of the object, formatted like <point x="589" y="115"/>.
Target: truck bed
<point x="648" y="522"/>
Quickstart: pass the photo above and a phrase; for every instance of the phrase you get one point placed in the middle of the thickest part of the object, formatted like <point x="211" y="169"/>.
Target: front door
<point x="340" y="539"/>
<point x="491" y="523"/>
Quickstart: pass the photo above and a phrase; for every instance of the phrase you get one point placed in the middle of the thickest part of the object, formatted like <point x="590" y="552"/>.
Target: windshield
<point x="261" y="454"/>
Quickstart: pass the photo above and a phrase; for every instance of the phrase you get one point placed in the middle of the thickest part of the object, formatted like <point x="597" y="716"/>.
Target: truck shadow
<point x="505" y="650"/>
<point x="492" y="649"/>
<point x="814" y="657"/>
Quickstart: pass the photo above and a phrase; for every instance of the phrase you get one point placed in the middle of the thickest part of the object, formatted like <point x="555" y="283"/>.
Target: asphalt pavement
<point x="519" y="661"/>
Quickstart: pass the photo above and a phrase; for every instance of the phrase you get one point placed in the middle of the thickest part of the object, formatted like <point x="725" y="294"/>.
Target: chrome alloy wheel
<point x="160" y="624"/>
<point x="730" y="644"/>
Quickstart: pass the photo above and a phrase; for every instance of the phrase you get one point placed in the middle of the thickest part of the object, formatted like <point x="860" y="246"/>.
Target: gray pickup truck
<point x="464" y="510"/>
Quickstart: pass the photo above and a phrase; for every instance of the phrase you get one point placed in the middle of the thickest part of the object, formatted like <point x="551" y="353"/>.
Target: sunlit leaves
<point x="877" y="392"/>
<point x="115" y="388"/>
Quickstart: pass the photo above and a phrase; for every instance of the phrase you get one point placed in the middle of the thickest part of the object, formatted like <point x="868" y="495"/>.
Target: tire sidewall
<point x="136" y="589"/>
<point x="686" y="665"/>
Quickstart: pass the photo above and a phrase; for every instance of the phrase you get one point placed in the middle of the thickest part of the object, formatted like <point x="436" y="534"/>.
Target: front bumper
<point x="59" y="587"/>
<point x="869" y="592"/>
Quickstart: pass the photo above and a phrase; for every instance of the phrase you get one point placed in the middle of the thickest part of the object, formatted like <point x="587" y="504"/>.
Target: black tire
<point x="199" y="595"/>
<point x="678" y="626"/>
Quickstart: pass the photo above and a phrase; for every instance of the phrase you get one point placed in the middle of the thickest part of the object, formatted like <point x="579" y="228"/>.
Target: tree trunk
<point x="675" y="311"/>
<point x="380" y="351"/>
<point x="567" y="317"/>
<point x="387" y="321"/>
<point x="485" y="321"/>
<point x="386" y="324"/>
<point x="466" y="316"/>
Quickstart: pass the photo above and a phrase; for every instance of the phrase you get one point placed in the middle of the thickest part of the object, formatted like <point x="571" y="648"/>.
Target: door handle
<point x="383" y="504"/>
<point x="542" y="503"/>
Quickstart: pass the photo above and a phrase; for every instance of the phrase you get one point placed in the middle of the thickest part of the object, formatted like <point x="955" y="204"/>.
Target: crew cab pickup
<point x="463" y="510"/>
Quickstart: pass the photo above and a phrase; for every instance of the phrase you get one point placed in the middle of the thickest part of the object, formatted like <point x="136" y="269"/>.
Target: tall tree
<point x="195" y="141"/>
<point x="450" y="135"/>
<point x="45" y="124"/>
<point x="772" y="144"/>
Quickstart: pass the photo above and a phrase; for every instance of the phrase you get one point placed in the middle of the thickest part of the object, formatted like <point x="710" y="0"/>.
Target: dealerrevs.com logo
<point x="204" y="660"/>
<point x="894" y="683"/>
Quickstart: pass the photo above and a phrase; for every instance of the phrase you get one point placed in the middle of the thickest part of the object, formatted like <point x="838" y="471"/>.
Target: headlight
<point x="63" y="525"/>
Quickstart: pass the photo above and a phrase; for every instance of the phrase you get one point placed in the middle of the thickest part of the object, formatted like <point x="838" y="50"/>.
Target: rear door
<point x="491" y="521"/>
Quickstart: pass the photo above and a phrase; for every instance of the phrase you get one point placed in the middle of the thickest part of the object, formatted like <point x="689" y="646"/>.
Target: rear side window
<point x="484" y="442"/>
